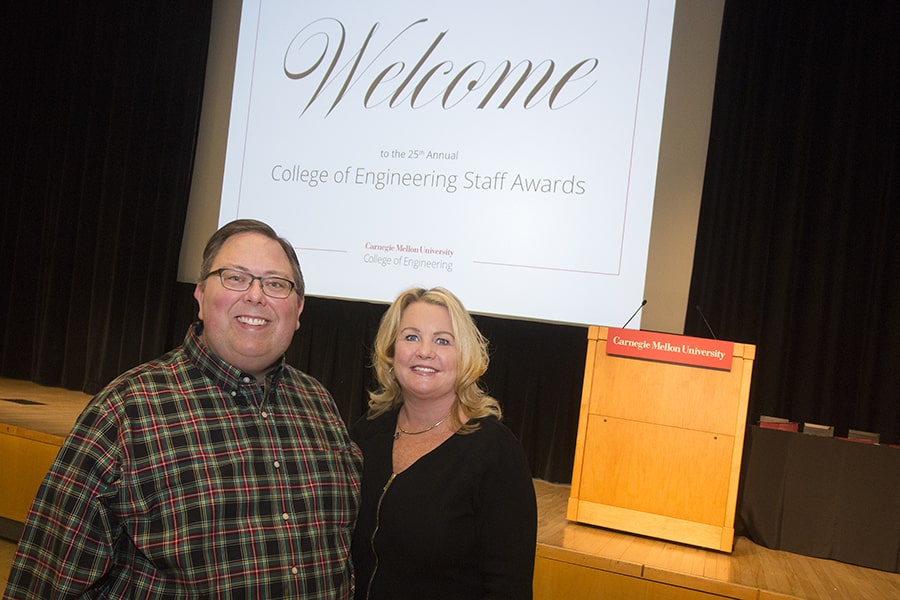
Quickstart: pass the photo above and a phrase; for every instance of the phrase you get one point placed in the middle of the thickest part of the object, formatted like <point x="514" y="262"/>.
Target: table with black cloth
<point x="823" y="497"/>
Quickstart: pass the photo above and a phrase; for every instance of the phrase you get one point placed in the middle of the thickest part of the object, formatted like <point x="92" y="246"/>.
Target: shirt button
<point x="233" y="394"/>
<point x="285" y="516"/>
<point x="295" y="570"/>
<point x="264" y="414"/>
<point x="277" y="464"/>
<point x="246" y="380"/>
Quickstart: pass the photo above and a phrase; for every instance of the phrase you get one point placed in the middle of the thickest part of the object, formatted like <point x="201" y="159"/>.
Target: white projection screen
<point x="508" y="152"/>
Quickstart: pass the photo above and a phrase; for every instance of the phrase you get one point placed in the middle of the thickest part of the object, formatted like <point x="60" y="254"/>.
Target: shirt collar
<point x="223" y="374"/>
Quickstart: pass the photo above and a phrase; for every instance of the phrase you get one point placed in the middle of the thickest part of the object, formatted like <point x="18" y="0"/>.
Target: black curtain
<point x="797" y="248"/>
<point x="794" y="252"/>
<point x="101" y="105"/>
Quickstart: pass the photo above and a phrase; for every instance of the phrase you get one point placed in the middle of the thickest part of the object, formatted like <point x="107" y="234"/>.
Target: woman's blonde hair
<point x="472" y="359"/>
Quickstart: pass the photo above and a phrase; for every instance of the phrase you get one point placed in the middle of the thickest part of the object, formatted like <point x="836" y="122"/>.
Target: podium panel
<point x="659" y="444"/>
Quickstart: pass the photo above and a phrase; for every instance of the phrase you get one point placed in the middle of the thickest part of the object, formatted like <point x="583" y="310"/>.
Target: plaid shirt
<point x="185" y="479"/>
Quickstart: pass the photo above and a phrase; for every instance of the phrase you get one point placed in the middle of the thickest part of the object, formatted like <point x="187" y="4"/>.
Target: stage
<point x="573" y="561"/>
<point x="577" y="561"/>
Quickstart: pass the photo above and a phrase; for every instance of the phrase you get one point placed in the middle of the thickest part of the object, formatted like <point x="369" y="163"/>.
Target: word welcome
<point x="387" y="75"/>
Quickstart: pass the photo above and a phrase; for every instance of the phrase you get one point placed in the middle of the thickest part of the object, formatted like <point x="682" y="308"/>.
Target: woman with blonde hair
<point x="448" y="507"/>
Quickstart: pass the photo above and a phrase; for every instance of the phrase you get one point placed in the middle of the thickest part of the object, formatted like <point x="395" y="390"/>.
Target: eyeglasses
<point x="240" y="281"/>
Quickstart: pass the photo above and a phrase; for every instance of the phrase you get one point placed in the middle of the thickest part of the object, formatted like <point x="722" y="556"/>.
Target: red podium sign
<point x="666" y="347"/>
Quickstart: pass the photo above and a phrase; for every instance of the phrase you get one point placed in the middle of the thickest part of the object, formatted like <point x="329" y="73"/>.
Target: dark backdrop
<point x="795" y="252"/>
<point x="797" y="245"/>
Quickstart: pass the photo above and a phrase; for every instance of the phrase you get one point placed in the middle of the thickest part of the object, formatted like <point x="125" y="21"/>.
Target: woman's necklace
<point x="401" y="430"/>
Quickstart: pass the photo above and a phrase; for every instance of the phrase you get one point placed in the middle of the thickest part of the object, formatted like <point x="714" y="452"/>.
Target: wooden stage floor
<point x="750" y="571"/>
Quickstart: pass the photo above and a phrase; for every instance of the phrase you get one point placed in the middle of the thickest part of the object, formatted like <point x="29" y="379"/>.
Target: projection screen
<point x="509" y="153"/>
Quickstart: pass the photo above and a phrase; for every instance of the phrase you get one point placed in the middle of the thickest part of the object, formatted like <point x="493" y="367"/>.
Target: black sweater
<point x="460" y="523"/>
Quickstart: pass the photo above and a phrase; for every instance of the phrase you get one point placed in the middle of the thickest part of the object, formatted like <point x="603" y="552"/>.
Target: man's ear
<point x="198" y="296"/>
<point x="300" y="311"/>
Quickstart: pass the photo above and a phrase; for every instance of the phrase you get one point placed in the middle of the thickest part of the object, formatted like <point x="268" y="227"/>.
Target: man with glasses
<point x="215" y="471"/>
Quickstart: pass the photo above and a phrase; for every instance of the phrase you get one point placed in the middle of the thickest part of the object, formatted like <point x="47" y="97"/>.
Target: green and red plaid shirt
<point x="185" y="478"/>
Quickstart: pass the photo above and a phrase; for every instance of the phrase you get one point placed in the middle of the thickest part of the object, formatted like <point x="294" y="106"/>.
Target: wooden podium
<point x="659" y="443"/>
